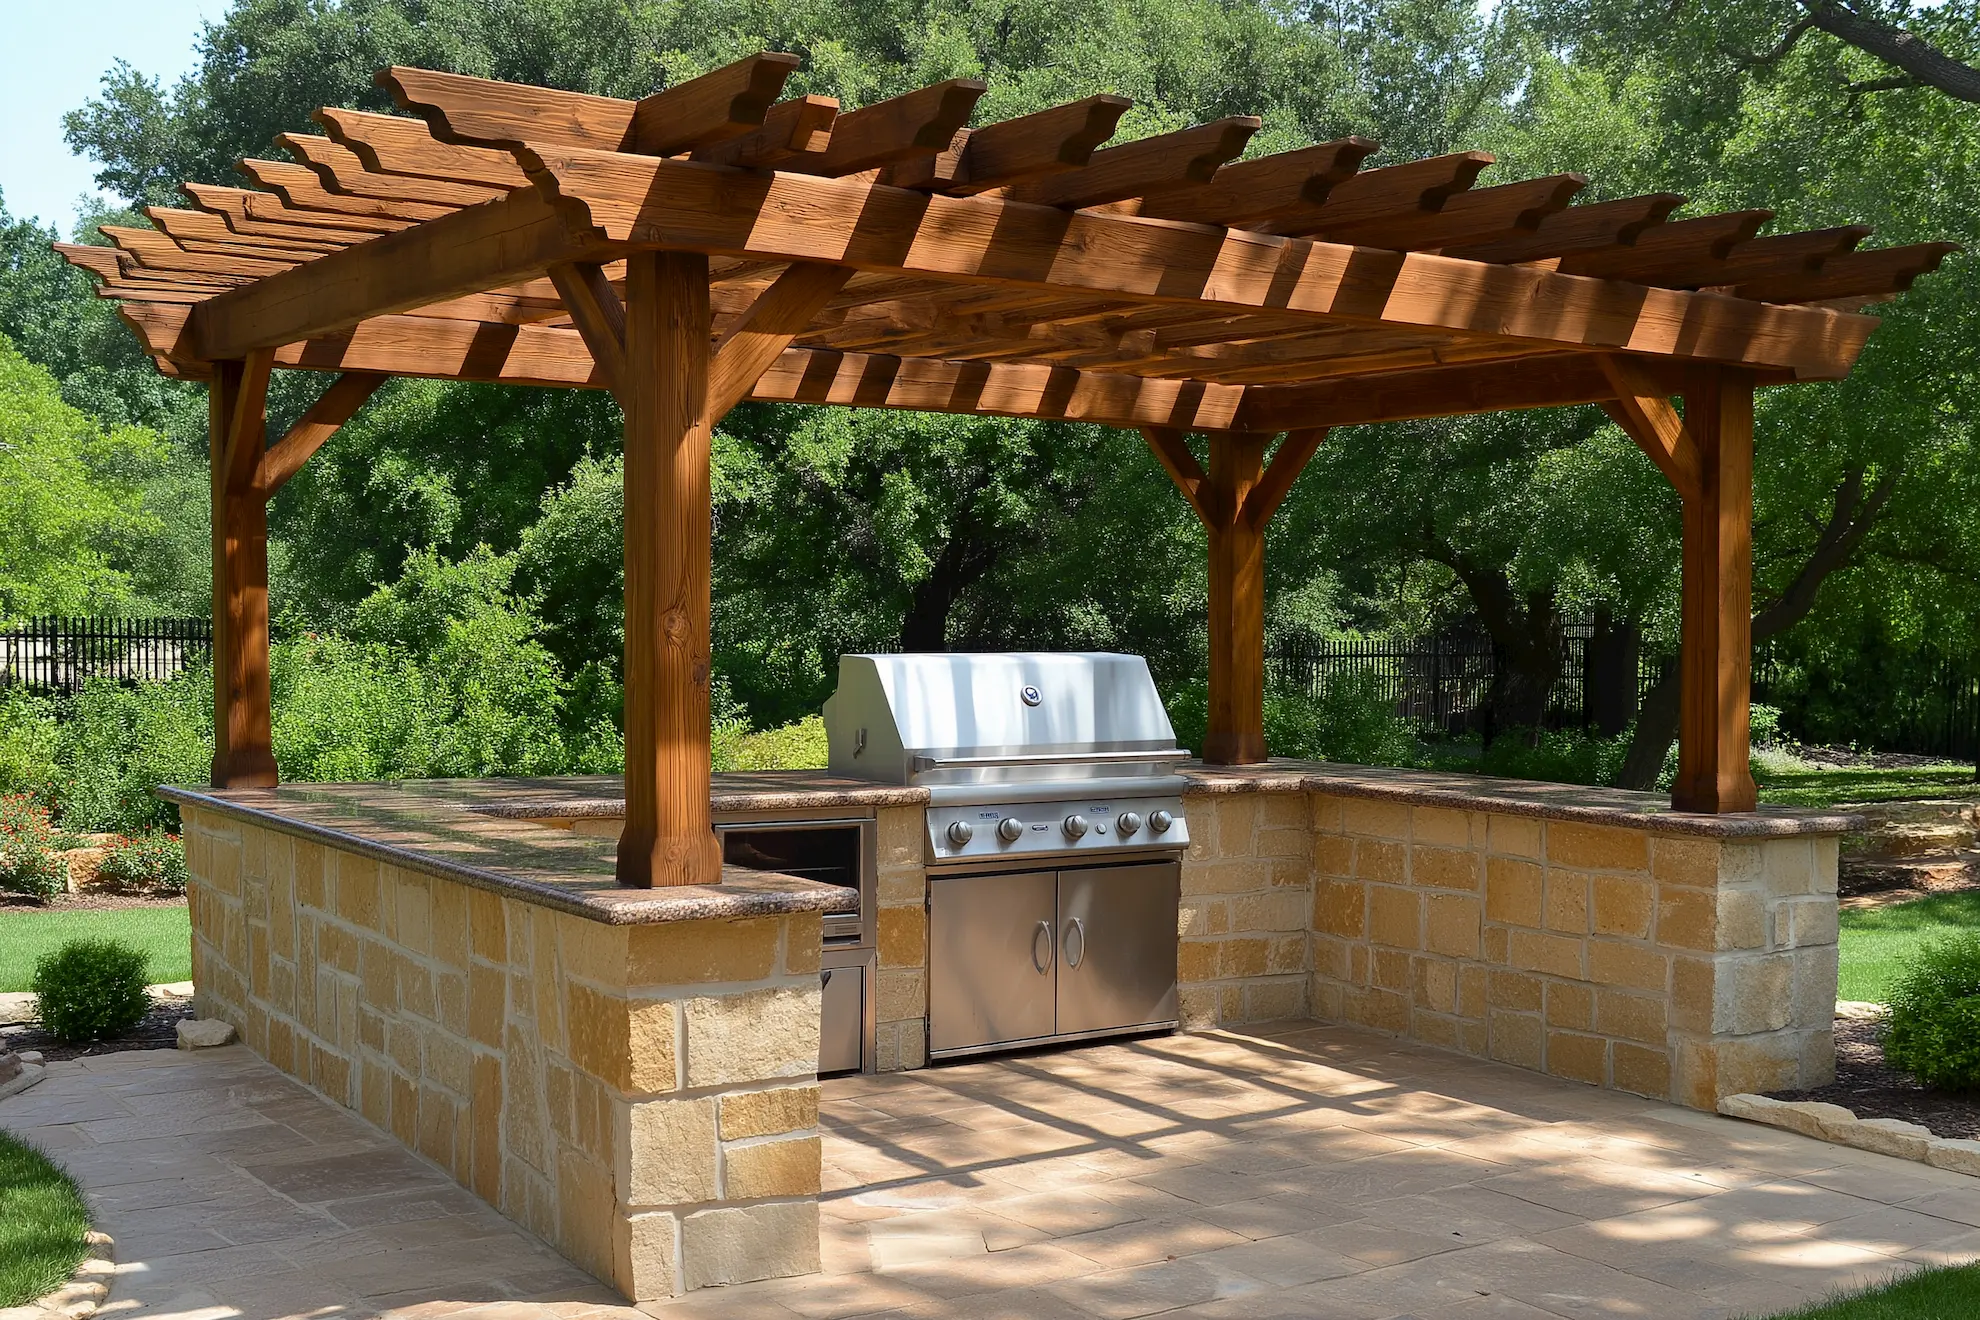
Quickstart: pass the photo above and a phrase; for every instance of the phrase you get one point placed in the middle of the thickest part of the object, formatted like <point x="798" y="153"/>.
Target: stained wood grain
<point x="334" y="407"/>
<point x="1152" y="164"/>
<point x="243" y="754"/>
<point x="668" y="838"/>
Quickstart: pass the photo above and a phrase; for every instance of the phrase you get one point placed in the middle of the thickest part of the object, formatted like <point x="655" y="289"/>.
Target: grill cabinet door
<point x="991" y="958"/>
<point x="1117" y="946"/>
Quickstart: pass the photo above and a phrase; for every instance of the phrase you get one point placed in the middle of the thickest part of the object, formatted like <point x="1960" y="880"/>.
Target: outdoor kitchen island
<point x="632" y="1073"/>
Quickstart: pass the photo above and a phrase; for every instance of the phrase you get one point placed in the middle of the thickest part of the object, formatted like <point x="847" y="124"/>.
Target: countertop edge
<point x="1507" y="798"/>
<point x="690" y="903"/>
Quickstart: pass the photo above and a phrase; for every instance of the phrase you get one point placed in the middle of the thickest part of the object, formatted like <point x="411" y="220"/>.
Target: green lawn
<point x="162" y="932"/>
<point x="1877" y="942"/>
<point x="1825" y="786"/>
<point x="42" y="1224"/>
<point x="1948" y="1294"/>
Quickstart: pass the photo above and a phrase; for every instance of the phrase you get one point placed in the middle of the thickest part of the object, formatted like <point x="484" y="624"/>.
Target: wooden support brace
<point x="1716" y="656"/>
<point x="761" y="334"/>
<point x="668" y="838"/>
<point x="599" y="316"/>
<point x="243" y="747"/>
<point x="1647" y="417"/>
<point x="1234" y="500"/>
<point x="325" y="418"/>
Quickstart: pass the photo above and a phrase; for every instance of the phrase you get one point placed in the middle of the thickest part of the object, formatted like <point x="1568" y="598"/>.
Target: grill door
<point x="992" y="952"/>
<point x="1117" y="946"/>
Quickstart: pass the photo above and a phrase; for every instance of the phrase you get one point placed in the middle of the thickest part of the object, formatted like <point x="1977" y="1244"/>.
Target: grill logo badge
<point x="1031" y="695"/>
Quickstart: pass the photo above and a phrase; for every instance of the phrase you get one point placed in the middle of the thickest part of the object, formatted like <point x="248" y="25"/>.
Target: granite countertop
<point x="1514" y="797"/>
<point x="479" y="832"/>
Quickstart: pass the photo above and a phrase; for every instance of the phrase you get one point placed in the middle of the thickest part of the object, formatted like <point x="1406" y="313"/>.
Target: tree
<point x="70" y="498"/>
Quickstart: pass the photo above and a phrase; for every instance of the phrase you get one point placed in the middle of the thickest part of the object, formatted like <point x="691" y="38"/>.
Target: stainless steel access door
<point x="1117" y="947"/>
<point x="992" y="949"/>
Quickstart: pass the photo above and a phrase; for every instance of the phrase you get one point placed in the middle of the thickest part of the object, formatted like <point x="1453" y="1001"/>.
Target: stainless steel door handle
<point x="1043" y="962"/>
<point x="1078" y="928"/>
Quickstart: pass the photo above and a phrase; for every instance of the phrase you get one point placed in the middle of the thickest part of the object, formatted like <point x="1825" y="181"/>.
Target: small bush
<point x="1933" y="1031"/>
<point x="28" y="864"/>
<point x="799" y="746"/>
<point x="1557" y="756"/>
<point x="91" y="989"/>
<point x="153" y="861"/>
<point x="1349" y="722"/>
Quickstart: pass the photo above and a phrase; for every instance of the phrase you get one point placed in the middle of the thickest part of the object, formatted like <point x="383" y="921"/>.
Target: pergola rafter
<point x="716" y="242"/>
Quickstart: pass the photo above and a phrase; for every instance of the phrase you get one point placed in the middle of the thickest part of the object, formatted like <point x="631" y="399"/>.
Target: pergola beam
<point x="642" y="201"/>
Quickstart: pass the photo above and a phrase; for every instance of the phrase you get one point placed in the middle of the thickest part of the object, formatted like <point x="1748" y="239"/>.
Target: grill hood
<point x="1014" y="717"/>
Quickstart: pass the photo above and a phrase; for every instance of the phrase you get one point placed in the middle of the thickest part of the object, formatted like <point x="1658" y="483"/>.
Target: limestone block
<point x="1640" y="1070"/>
<point x="768" y="1113"/>
<point x="1444" y="868"/>
<point x="1395" y="917"/>
<point x="1516" y="991"/>
<point x="1445" y="826"/>
<point x="1958" y="1156"/>
<point x="753" y="1036"/>
<point x="1577" y="1057"/>
<point x="900" y="994"/>
<point x="1517" y="1038"/>
<point x="1758" y="993"/>
<point x="903" y="937"/>
<point x="1640" y="1018"/>
<point x="1807" y="1117"/>
<point x="1623" y="905"/>
<point x="1381" y="861"/>
<point x="1278" y="911"/>
<point x="771" y="1168"/>
<point x="1452" y="924"/>
<point x="1239" y="958"/>
<point x="1512" y="891"/>
<point x="1679" y="860"/>
<point x="488" y="935"/>
<point x="1276" y="1000"/>
<point x="672" y="1152"/>
<point x="1374" y="818"/>
<point x="1567" y="901"/>
<point x="1390" y="969"/>
<point x="744" y="1243"/>
<point x="1333" y="855"/>
<point x="1789" y="865"/>
<point x="1515" y="836"/>
<point x="1340" y="907"/>
<point x="1435" y="984"/>
<point x="804" y="942"/>
<point x="1570" y="1004"/>
<point x="644" y="1266"/>
<point x="1800" y="922"/>
<point x="1886" y="1136"/>
<point x="697" y="952"/>
<point x="1383" y="1010"/>
<point x="204" y="1033"/>
<point x="1557" y="955"/>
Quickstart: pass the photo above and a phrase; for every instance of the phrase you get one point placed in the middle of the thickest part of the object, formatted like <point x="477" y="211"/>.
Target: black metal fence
<point x="61" y="654"/>
<point x="1445" y="682"/>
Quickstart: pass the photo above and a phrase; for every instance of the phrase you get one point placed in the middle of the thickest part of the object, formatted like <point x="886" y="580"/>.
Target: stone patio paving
<point x="1310" y="1172"/>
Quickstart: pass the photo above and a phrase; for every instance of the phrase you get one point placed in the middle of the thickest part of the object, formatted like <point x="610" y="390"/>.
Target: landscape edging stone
<point x="1883" y="1136"/>
<point x="86" y="1290"/>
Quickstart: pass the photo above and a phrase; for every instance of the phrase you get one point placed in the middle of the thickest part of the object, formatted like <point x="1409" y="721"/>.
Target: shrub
<point x="1559" y="756"/>
<point x="799" y="746"/>
<point x="1933" y="1031"/>
<point x="155" y="860"/>
<point x="1347" y="722"/>
<point x="28" y="864"/>
<point x="91" y="989"/>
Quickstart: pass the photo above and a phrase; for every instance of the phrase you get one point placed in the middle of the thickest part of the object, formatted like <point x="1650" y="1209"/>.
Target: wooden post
<point x="668" y="839"/>
<point x="1716" y="658"/>
<point x="1236" y="733"/>
<point x="243" y="753"/>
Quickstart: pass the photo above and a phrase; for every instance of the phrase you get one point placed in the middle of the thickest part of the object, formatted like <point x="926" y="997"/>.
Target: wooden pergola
<point x="713" y="243"/>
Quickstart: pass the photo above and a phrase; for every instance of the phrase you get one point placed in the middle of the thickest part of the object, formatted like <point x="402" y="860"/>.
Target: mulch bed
<point x="1846" y="759"/>
<point x="95" y="900"/>
<point x="1866" y="1086"/>
<point x="158" y="1031"/>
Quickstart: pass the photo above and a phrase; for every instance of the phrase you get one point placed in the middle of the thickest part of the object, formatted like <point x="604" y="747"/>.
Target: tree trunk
<point x="1656" y="730"/>
<point x="1609" y="674"/>
<point x="960" y="565"/>
<point x="1852" y="515"/>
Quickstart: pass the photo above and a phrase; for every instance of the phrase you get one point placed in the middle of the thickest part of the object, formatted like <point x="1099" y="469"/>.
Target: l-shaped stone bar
<point x="632" y="1073"/>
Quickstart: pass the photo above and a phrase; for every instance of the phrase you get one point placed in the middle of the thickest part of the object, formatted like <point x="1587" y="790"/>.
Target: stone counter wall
<point x="1671" y="965"/>
<point x="901" y="983"/>
<point x="643" y="1097"/>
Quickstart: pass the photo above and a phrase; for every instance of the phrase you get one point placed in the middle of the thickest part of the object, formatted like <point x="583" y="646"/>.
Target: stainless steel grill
<point x="1055" y="828"/>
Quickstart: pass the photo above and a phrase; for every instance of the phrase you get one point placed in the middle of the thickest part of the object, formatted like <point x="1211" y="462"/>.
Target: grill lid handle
<point x="1165" y="754"/>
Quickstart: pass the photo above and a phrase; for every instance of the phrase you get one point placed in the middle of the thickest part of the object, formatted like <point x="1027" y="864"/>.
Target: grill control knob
<point x="1075" y="826"/>
<point x="1159" y="821"/>
<point x="960" y="832"/>
<point x="1128" y="823"/>
<point x="1010" y="829"/>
